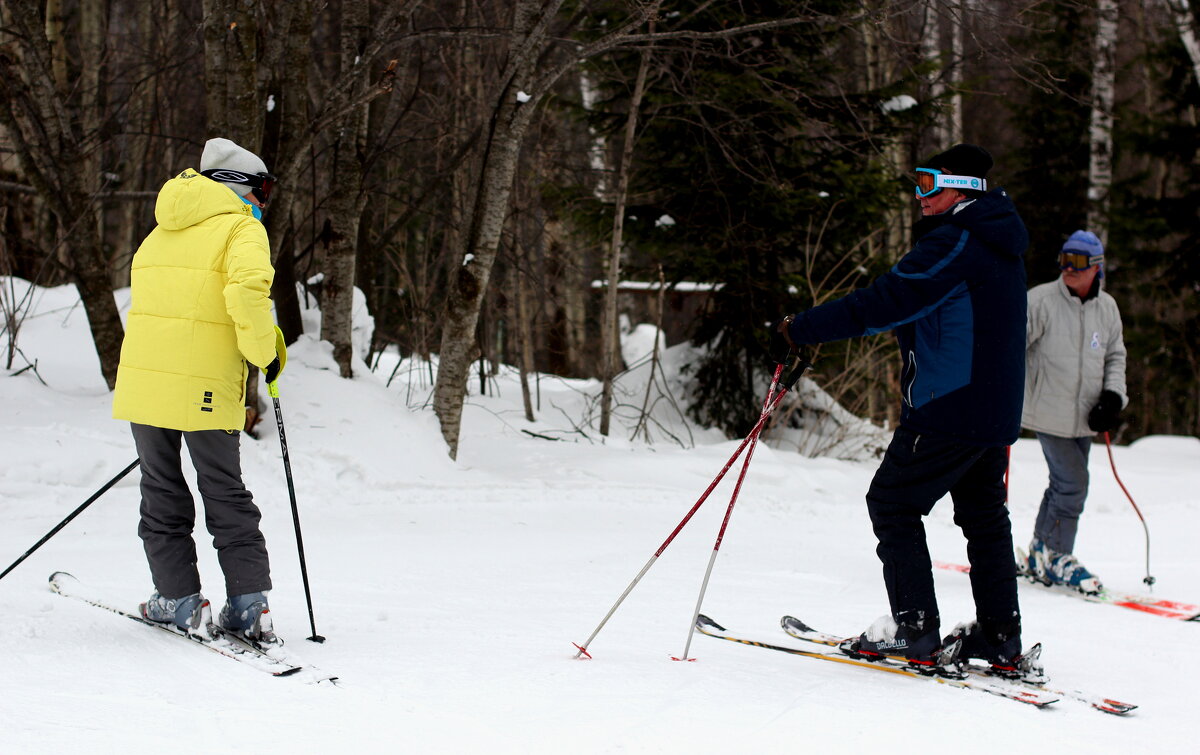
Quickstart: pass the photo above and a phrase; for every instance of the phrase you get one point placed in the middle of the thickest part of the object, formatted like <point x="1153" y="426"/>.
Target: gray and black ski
<point x="273" y="659"/>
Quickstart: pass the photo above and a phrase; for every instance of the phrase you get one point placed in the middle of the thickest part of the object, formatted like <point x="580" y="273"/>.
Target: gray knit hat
<point x="224" y="154"/>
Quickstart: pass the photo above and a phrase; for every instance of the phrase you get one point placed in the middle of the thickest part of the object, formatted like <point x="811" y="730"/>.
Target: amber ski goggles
<point x="931" y="181"/>
<point x="261" y="184"/>
<point x="1078" y="261"/>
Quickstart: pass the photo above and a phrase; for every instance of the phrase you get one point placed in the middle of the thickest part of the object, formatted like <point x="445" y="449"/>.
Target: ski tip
<point x="792" y="621"/>
<point x="704" y="621"/>
<point x="59" y="578"/>
<point x="1115" y="707"/>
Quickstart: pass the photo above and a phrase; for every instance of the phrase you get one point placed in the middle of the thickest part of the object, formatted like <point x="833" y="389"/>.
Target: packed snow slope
<point x="451" y="592"/>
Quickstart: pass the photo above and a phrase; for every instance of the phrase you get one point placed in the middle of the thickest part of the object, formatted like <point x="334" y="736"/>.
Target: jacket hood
<point x="994" y="221"/>
<point x="190" y="198"/>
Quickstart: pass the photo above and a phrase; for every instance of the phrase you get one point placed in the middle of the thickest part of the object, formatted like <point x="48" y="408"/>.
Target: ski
<point x="999" y="687"/>
<point x="801" y="631"/>
<point x="1169" y="609"/>
<point x="274" y="660"/>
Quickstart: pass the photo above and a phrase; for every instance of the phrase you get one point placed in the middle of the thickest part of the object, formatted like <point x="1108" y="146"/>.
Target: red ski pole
<point x="725" y="523"/>
<point x="1149" y="580"/>
<point x="753" y="434"/>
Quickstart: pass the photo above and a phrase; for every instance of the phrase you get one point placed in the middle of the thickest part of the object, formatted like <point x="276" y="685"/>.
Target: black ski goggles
<point x="1077" y="261"/>
<point x="261" y="184"/>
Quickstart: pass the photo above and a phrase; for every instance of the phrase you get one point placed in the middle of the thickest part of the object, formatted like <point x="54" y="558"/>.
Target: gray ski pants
<point x="169" y="512"/>
<point x="1062" y="503"/>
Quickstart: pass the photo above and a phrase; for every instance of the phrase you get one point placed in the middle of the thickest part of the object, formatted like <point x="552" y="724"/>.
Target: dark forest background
<point x="479" y="169"/>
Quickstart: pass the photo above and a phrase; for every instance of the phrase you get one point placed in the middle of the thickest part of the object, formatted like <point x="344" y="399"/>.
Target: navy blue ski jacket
<point x="957" y="304"/>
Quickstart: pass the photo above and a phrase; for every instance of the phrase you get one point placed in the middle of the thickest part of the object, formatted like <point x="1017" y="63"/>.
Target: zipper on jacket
<point x="912" y="378"/>
<point x="1079" y="365"/>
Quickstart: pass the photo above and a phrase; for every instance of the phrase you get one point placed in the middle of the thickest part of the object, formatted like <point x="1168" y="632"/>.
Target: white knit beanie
<point x="223" y="153"/>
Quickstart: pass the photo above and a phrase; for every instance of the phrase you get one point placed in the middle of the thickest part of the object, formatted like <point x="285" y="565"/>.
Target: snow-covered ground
<point x="450" y="592"/>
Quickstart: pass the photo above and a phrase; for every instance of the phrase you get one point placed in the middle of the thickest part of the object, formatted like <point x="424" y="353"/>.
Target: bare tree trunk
<point x="346" y="201"/>
<point x="294" y="28"/>
<point x="957" y="22"/>
<point x="1181" y="14"/>
<point x="931" y="50"/>
<point x="1100" y="132"/>
<point x="524" y="335"/>
<point x="468" y="282"/>
<point x="48" y="131"/>
<point x="527" y="79"/>
<point x="611" y="335"/>
<point x="230" y="72"/>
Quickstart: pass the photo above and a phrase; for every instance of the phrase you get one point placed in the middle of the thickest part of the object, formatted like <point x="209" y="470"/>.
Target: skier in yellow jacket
<point x="200" y="311"/>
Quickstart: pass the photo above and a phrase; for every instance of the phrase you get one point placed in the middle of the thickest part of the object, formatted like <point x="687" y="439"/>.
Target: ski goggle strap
<point x="1078" y="261"/>
<point x="931" y="180"/>
<point x="261" y="184"/>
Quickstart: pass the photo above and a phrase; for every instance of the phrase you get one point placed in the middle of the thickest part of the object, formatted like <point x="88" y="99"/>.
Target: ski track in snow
<point x="450" y="592"/>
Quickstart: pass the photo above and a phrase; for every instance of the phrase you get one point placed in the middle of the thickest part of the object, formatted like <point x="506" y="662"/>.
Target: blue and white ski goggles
<point x="931" y="180"/>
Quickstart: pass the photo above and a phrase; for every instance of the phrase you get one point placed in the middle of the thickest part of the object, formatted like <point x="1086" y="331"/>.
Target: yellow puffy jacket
<point x="201" y="308"/>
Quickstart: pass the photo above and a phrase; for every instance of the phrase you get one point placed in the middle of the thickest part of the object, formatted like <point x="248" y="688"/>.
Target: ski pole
<point x="792" y="378"/>
<point x="72" y="515"/>
<point x="273" y="390"/>
<point x="1149" y="580"/>
<point x="725" y="523"/>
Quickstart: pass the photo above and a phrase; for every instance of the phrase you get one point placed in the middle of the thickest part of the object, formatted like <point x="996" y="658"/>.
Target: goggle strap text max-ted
<point x="931" y="180"/>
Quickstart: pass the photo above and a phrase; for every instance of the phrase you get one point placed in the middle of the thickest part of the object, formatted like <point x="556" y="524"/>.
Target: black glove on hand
<point x="272" y="370"/>
<point x="781" y="346"/>
<point x="1106" y="414"/>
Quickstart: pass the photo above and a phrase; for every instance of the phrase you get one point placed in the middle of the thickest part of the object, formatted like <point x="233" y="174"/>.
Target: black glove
<point x="1106" y="414"/>
<point x="271" y="372"/>
<point x="781" y="346"/>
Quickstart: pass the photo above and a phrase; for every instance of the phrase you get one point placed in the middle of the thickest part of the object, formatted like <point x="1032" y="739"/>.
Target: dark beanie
<point x="962" y="160"/>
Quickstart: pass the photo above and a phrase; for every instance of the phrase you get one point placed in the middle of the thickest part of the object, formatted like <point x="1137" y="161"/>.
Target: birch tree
<point x="1181" y="16"/>
<point x="1100" y="129"/>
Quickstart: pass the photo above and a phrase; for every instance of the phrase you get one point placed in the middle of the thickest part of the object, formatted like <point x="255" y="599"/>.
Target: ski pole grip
<point x="797" y="371"/>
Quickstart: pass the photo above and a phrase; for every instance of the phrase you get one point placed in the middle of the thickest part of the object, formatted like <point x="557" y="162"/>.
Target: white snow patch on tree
<point x="898" y="104"/>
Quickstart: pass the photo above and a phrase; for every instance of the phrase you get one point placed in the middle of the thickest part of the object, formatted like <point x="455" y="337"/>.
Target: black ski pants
<point x="168" y="512"/>
<point x="917" y="471"/>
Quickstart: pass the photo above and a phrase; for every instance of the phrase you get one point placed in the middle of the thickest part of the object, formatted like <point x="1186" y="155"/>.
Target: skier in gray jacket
<point x="1074" y="388"/>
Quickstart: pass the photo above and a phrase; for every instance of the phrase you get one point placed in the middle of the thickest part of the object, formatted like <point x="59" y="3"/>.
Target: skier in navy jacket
<point x="957" y="303"/>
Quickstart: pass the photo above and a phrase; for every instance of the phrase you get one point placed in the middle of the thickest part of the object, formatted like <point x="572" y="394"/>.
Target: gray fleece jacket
<point x="1074" y="350"/>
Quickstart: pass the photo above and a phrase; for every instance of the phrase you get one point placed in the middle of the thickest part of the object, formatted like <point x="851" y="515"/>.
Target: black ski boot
<point x="1000" y="647"/>
<point x="920" y="648"/>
